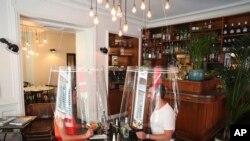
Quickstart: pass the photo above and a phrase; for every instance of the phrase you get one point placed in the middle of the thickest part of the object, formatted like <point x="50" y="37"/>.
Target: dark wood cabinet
<point x="200" y="117"/>
<point x="162" y="45"/>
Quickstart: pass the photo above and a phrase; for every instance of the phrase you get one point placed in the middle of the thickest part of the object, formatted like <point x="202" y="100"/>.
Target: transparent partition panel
<point x="81" y="100"/>
<point x="149" y="95"/>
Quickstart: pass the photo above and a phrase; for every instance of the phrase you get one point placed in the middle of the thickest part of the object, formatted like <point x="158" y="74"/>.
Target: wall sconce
<point x="11" y="47"/>
<point x="104" y="50"/>
<point x="52" y="50"/>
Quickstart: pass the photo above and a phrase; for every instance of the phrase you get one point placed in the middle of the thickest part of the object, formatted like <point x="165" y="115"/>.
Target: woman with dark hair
<point x="162" y="120"/>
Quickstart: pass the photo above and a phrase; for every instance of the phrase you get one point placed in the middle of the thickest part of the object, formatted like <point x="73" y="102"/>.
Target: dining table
<point x="37" y="94"/>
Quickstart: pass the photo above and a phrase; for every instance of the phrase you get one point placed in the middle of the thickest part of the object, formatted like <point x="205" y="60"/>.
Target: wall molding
<point x="16" y="99"/>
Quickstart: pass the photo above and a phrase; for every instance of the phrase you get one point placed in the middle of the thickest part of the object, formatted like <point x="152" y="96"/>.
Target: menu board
<point x="64" y="93"/>
<point x="140" y="100"/>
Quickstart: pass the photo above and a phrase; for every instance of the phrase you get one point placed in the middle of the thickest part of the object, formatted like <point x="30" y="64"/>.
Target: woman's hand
<point x="141" y="135"/>
<point x="89" y="133"/>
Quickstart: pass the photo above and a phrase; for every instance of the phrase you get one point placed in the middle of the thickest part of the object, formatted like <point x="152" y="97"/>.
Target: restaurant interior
<point x="117" y="36"/>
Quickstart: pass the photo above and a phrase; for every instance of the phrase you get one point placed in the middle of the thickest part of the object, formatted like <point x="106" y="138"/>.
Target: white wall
<point x="37" y="68"/>
<point x="11" y="96"/>
<point x="85" y="47"/>
<point x="73" y="14"/>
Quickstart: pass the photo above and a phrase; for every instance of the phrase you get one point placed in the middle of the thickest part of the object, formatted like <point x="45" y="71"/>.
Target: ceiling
<point x="178" y="8"/>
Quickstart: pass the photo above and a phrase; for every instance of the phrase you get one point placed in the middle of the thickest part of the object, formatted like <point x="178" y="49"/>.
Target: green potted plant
<point x="199" y="47"/>
<point x="235" y="81"/>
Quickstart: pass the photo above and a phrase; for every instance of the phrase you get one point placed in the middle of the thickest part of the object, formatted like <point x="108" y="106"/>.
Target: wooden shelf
<point x="173" y="32"/>
<point x="234" y="35"/>
<point x="120" y="56"/>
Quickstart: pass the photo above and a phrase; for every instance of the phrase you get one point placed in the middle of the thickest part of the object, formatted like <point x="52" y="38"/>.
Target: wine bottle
<point x="126" y="129"/>
<point x="225" y="45"/>
<point x="238" y="30"/>
<point x="225" y="29"/>
<point x="245" y="28"/>
<point x="210" y="25"/>
<point x="232" y="29"/>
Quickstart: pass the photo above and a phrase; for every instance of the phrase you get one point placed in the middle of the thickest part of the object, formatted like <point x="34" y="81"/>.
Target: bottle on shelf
<point x="149" y="54"/>
<point x="167" y="49"/>
<point x="209" y="25"/>
<point x="224" y="45"/>
<point x="238" y="29"/>
<point x="159" y="54"/>
<point x="245" y="28"/>
<point x="232" y="29"/>
<point x="225" y="31"/>
<point x="185" y="34"/>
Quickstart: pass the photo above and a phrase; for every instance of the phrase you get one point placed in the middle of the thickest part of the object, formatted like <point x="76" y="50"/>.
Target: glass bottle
<point x="245" y="28"/>
<point x="225" y="29"/>
<point x="105" y="122"/>
<point x="126" y="129"/>
<point x="209" y="25"/>
<point x="238" y="30"/>
<point x="159" y="54"/>
<point x="232" y="29"/>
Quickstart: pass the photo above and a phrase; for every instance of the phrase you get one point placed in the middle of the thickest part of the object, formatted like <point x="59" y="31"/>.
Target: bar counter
<point x="200" y="115"/>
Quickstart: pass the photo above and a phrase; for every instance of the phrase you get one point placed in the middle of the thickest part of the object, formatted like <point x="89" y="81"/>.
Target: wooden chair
<point x="43" y="126"/>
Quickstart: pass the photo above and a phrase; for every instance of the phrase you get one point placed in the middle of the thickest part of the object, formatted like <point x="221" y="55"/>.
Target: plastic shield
<point x="147" y="91"/>
<point x="81" y="99"/>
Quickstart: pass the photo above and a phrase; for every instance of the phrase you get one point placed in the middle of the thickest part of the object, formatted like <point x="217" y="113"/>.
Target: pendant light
<point x="91" y="12"/>
<point x="119" y="10"/>
<point x="114" y="18"/>
<point x="134" y="7"/>
<point x="167" y="6"/>
<point x="45" y="37"/>
<point x="99" y="1"/>
<point x="149" y="15"/>
<point x="120" y="29"/>
<point x="96" y="20"/>
<point x="143" y="5"/>
<point x="113" y="12"/>
<point x="107" y="4"/>
<point x="125" y="26"/>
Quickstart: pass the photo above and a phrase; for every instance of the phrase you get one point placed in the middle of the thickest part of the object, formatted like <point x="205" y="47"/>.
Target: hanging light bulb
<point x="119" y="11"/>
<point x="113" y="18"/>
<point x="143" y="5"/>
<point x="96" y="21"/>
<point x="113" y="10"/>
<point x="149" y="15"/>
<point x="91" y="12"/>
<point x="45" y="38"/>
<point x="120" y="28"/>
<point x="45" y="41"/>
<point x="99" y="1"/>
<point x="37" y="53"/>
<point x="28" y="56"/>
<point x="134" y="8"/>
<point x="125" y="26"/>
<point x="167" y="6"/>
<point x="24" y="48"/>
<point x="120" y="32"/>
<point x="107" y="4"/>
